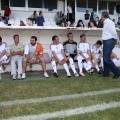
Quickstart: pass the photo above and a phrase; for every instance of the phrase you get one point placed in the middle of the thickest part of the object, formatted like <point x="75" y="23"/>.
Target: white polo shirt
<point x="109" y="30"/>
<point x="69" y="8"/>
<point x="95" y="49"/>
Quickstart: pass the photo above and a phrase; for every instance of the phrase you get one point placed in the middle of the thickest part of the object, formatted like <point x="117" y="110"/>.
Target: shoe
<point x="76" y="75"/>
<point x="14" y="77"/>
<point x="46" y="75"/>
<point x="68" y="75"/>
<point x="100" y="72"/>
<point x="55" y="75"/>
<point x="91" y="73"/>
<point x="23" y="76"/>
<point x="19" y="77"/>
<point x="116" y="76"/>
<point x="82" y="74"/>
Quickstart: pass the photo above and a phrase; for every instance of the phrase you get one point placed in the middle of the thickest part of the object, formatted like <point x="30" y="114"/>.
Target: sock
<point x="0" y="69"/>
<point x="72" y="65"/>
<point x="97" y="68"/>
<point x="66" y="68"/>
<point x="54" y="66"/>
<point x="89" y="65"/>
<point x="114" y="60"/>
<point x="102" y="63"/>
<point x="80" y="64"/>
<point x="85" y="65"/>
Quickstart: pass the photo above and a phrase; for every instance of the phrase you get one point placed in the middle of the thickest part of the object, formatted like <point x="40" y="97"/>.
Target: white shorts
<point x="4" y="59"/>
<point x="85" y="54"/>
<point x="97" y="56"/>
<point x="60" y="56"/>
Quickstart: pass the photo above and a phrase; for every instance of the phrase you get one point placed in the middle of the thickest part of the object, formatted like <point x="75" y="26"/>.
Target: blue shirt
<point x="40" y="21"/>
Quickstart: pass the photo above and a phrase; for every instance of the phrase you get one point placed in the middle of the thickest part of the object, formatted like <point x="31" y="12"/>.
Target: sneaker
<point x="46" y="75"/>
<point x="19" y="77"/>
<point x="68" y="75"/>
<point x="100" y="72"/>
<point x="82" y="74"/>
<point x="23" y="76"/>
<point x="14" y="77"/>
<point x="55" y="74"/>
<point x="76" y="75"/>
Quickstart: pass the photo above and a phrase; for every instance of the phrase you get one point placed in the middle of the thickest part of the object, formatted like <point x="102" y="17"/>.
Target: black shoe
<point x="55" y="75"/>
<point x="100" y="72"/>
<point x="116" y="76"/>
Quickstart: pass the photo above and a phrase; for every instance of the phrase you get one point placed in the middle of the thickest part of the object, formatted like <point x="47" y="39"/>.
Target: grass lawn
<point x="36" y="86"/>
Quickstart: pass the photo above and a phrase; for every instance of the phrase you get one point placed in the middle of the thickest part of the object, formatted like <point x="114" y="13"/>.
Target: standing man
<point x="70" y="48"/>
<point x="109" y="37"/>
<point x="69" y="12"/>
<point x="17" y="52"/>
<point x="34" y="53"/>
<point x="87" y="17"/>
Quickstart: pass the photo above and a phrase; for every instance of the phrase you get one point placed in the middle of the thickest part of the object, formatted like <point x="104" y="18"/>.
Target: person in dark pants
<point x="109" y="37"/>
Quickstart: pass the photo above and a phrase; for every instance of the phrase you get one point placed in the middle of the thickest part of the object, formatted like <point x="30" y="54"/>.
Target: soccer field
<point x="37" y="98"/>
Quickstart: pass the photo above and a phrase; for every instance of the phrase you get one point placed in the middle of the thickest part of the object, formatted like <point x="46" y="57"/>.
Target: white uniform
<point x="83" y="47"/>
<point x="57" y="49"/>
<point x="3" y="47"/>
<point x="96" y="51"/>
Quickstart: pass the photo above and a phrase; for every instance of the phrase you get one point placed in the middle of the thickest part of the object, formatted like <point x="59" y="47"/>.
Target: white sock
<point x="89" y="64"/>
<point x="97" y="68"/>
<point x="54" y="66"/>
<point x="80" y="64"/>
<point x="72" y="65"/>
<point x="85" y="65"/>
<point x="66" y="68"/>
<point x="114" y="60"/>
<point x="102" y="63"/>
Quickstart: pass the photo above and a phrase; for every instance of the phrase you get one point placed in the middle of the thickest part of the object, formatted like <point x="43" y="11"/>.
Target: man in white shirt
<point x="84" y="56"/>
<point x="34" y="53"/>
<point x="109" y="37"/>
<point x="97" y="55"/>
<point x="3" y="54"/>
<point x="69" y="12"/>
<point x="58" y="55"/>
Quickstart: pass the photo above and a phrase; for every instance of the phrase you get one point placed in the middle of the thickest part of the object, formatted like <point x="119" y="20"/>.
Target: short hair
<point x="82" y="35"/>
<point x="34" y="37"/>
<point x="0" y="39"/>
<point x="105" y="14"/>
<point x="31" y="19"/>
<point x="69" y="34"/>
<point x="15" y="35"/>
<point x="99" y="42"/>
<point x="53" y="38"/>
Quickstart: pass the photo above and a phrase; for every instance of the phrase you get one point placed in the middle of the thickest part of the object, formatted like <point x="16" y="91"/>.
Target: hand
<point x="32" y="60"/>
<point x="65" y="59"/>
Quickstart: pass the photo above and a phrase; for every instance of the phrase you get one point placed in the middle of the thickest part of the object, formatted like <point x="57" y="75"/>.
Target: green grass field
<point x="36" y="86"/>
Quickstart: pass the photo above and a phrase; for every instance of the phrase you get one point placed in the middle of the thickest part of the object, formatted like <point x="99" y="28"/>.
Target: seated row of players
<point x="69" y="51"/>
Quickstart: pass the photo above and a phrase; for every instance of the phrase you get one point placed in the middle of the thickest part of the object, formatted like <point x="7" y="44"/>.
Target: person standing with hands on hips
<point x="109" y="37"/>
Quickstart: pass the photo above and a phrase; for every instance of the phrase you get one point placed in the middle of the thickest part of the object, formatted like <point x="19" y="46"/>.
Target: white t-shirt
<point x="96" y="50"/>
<point x="83" y="47"/>
<point x="56" y="48"/>
<point x="69" y="9"/>
<point x="26" y="51"/>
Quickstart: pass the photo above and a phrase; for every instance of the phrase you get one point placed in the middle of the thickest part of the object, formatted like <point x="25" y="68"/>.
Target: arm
<point x="13" y="53"/>
<point x="54" y="54"/>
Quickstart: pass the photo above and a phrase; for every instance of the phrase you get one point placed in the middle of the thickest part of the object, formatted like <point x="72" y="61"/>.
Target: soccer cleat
<point x="82" y="74"/>
<point x="68" y="75"/>
<point x="55" y="74"/>
<point x="14" y="77"/>
<point x="76" y="75"/>
<point x="23" y="76"/>
<point x="46" y="75"/>
<point x="19" y="77"/>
